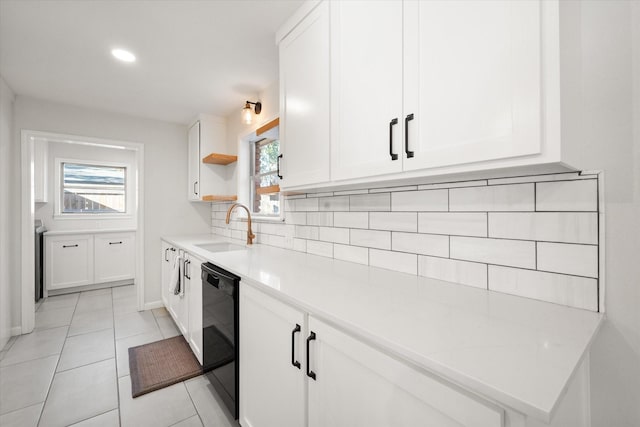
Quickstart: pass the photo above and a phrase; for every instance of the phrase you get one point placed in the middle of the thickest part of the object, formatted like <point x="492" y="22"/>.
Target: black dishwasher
<point x="220" y="295"/>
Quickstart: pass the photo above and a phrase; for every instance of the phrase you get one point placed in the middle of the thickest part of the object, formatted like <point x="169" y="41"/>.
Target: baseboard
<point x="153" y="304"/>
<point x="16" y="330"/>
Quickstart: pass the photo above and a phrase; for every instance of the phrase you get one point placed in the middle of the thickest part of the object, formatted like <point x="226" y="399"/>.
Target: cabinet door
<point x="41" y="166"/>
<point x="472" y="81"/>
<point x="194" y="162"/>
<point x="357" y="385"/>
<point x="115" y="257"/>
<point x="304" y="101"/>
<point x="179" y="304"/>
<point x="69" y="261"/>
<point x="165" y="275"/>
<point x="366" y="88"/>
<point x="194" y="298"/>
<point x="272" y="389"/>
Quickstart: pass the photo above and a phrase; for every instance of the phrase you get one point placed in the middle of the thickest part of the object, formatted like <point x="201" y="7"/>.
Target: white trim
<point x="16" y="330"/>
<point x="154" y="304"/>
<point x="27" y="214"/>
<point x="57" y="205"/>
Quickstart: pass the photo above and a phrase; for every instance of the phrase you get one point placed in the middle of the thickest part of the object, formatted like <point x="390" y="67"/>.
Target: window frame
<point x="252" y="175"/>
<point x="59" y="191"/>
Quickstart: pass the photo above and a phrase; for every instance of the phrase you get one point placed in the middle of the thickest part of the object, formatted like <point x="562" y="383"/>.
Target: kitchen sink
<point x="221" y="247"/>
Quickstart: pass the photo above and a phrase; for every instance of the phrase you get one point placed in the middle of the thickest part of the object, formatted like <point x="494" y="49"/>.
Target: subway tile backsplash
<point x="533" y="236"/>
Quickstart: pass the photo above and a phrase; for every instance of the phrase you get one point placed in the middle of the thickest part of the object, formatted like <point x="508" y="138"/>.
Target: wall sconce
<point x="246" y="111"/>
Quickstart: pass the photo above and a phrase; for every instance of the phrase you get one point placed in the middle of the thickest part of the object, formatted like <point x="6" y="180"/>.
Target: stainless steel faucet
<point x="250" y="235"/>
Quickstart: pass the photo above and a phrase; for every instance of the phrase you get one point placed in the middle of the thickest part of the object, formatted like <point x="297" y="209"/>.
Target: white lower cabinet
<point x="272" y="381"/>
<point x="115" y="257"/>
<point x="73" y="260"/>
<point x="69" y="261"/>
<point x="346" y="382"/>
<point x="357" y="385"/>
<point x="193" y="290"/>
<point x="185" y="307"/>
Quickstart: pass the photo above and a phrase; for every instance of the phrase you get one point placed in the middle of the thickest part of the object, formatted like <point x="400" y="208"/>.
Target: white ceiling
<point x="206" y="56"/>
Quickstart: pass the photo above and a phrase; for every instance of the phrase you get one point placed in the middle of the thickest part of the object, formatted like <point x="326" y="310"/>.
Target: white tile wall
<point x="516" y="253"/>
<point x="559" y="288"/>
<point x="580" y="195"/>
<point x="581" y="260"/>
<point x="565" y="227"/>
<point x="454" y="223"/>
<point x="423" y="244"/>
<point x="516" y="197"/>
<point x="533" y="236"/>
<point x="425" y="200"/>
<point x="405" y="263"/>
<point x="463" y="272"/>
<point x="394" y="221"/>
<point x="351" y="219"/>
<point x="370" y="202"/>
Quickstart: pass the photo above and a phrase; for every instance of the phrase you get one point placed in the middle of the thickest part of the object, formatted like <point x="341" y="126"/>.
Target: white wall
<point x="64" y="150"/>
<point x="7" y="238"/>
<point x="236" y="130"/>
<point x="602" y="75"/>
<point x="167" y="210"/>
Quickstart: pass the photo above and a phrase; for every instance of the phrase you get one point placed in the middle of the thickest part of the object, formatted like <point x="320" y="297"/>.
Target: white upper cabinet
<point x="206" y="136"/>
<point x="472" y="84"/>
<point x="193" y="190"/>
<point x="304" y="100"/>
<point x="366" y="88"/>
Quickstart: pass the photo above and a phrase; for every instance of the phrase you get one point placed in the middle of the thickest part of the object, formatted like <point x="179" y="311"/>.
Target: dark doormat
<point x="161" y="364"/>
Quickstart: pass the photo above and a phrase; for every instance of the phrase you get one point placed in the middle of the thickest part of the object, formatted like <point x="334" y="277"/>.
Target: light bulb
<point x="246" y="115"/>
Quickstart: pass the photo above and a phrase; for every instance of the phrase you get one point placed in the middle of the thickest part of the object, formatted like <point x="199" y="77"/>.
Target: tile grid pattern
<point x="533" y="236"/>
<point x="74" y="369"/>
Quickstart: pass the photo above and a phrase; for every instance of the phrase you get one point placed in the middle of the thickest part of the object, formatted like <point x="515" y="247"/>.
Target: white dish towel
<point x="174" y="283"/>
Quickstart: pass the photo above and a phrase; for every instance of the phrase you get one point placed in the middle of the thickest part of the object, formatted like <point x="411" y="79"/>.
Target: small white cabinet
<point x="271" y="354"/>
<point x="193" y="190"/>
<point x="115" y="257"/>
<point x="73" y="260"/>
<point x="206" y="135"/>
<point x="69" y="261"/>
<point x="304" y="100"/>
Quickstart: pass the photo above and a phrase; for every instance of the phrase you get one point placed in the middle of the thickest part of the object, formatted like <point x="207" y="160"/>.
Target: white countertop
<point x="517" y="351"/>
<point x="94" y="231"/>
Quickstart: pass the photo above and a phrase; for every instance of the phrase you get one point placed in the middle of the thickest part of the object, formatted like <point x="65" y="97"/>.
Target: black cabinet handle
<point x="310" y="373"/>
<point x="294" y="362"/>
<point x="391" y="153"/>
<point x="69" y="246"/>
<point x="278" y="163"/>
<point x="186" y="263"/>
<point x="115" y="243"/>
<point x="406" y="135"/>
<point x="166" y="258"/>
<point x="194" y="188"/>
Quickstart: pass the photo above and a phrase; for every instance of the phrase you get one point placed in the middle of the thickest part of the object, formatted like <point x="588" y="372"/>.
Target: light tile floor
<point x="74" y="368"/>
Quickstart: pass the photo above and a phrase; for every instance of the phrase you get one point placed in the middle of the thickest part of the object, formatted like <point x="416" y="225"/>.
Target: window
<point x="92" y="189"/>
<point x="265" y="196"/>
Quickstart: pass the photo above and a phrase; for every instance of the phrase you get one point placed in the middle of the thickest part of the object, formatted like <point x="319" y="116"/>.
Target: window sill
<point x="261" y="218"/>
<point x="92" y="216"/>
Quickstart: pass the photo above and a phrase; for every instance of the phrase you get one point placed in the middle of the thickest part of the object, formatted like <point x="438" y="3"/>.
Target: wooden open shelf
<point x="268" y="190"/>
<point x="219" y="159"/>
<point x="218" y="198"/>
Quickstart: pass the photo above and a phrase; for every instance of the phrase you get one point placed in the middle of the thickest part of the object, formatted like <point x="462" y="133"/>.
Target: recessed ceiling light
<point x="123" y="55"/>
